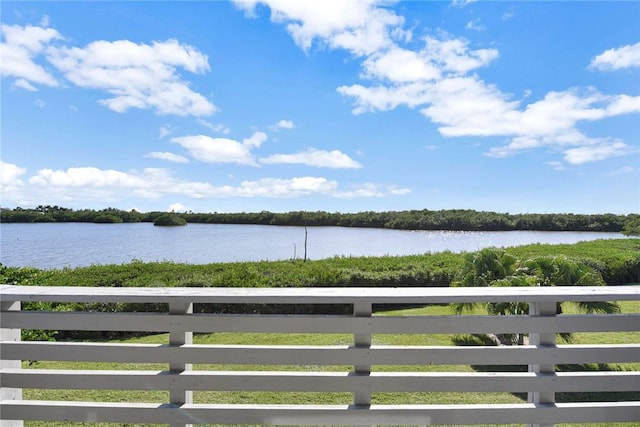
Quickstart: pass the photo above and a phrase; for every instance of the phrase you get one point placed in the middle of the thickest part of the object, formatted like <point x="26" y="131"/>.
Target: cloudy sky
<point x="342" y="106"/>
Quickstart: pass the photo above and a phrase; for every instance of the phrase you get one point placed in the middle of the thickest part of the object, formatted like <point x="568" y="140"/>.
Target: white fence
<point x="363" y="381"/>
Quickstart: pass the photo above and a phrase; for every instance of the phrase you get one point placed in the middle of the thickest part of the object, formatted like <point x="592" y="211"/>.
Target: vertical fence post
<point x="179" y="396"/>
<point x="7" y="334"/>
<point x="362" y="340"/>
<point x="542" y="339"/>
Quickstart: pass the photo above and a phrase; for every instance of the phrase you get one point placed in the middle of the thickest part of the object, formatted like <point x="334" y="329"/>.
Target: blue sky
<point x="342" y="106"/>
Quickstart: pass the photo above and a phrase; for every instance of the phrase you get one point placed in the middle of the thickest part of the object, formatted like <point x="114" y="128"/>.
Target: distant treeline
<point x="457" y="219"/>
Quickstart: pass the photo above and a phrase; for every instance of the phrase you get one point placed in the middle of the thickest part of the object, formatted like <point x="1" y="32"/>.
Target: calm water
<point x="76" y="244"/>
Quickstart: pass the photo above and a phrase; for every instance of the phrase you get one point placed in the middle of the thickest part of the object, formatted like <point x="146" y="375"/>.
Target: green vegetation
<point x="60" y="214"/>
<point x="454" y="219"/>
<point x="495" y="267"/>
<point x="107" y="219"/>
<point x="169" y="220"/>
<point x="632" y="227"/>
<point x="617" y="260"/>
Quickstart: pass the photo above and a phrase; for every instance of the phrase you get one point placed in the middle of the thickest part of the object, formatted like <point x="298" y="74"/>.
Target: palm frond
<point x="603" y="307"/>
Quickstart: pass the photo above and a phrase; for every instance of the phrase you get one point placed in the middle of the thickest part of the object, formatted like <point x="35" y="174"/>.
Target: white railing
<point x="363" y="381"/>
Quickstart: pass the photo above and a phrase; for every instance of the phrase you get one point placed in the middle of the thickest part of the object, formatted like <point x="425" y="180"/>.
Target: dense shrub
<point x="169" y="220"/>
<point x="107" y="219"/>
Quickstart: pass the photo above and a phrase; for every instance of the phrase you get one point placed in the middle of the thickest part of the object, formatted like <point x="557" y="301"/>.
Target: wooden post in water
<point x="305" y="242"/>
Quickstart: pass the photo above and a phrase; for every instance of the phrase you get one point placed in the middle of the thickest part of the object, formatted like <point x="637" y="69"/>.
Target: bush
<point x="107" y="219"/>
<point x="169" y="220"/>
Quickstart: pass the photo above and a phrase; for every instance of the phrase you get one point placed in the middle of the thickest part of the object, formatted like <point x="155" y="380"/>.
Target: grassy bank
<point x="618" y="260"/>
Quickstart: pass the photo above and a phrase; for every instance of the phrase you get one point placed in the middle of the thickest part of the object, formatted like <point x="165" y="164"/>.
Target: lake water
<point x="60" y="245"/>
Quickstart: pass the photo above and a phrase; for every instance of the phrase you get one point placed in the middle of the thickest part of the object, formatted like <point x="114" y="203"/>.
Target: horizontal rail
<point x="322" y="381"/>
<point x="323" y="414"/>
<point x="359" y="368"/>
<point x="400" y="295"/>
<point x="321" y="355"/>
<point x="158" y="322"/>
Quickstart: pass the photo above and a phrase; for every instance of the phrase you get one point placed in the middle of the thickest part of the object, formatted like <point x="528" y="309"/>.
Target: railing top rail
<point x="428" y="295"/>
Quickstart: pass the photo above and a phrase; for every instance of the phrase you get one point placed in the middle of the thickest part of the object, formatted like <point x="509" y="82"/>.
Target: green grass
<point x="315" y="398"/>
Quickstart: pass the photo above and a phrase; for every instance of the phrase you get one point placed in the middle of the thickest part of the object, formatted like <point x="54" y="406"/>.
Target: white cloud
<point x="19" y="50"/>
<point x="461" y="3"/>
<point x="12" y="187"/>
<point x="40" y="103"/>
<point x="83" y="183"/>
<point x="397" y="191"/>
<point x="400" y="65"/>
<point x="89" y="183"/>
<point x="311" y="157"/>
<point x="553" y="122"/>
<point x="283" y="124"/>
<point x="255" y="140"/>
<point x="170" y="157"/>
<point x="475" y="25"/>
<point x="137" y="75"/>
<point x="508" y="15"/>
<point x="358" y="26"/>
<point x="592" y="153"/>
<point x="278" y="187"/>
<point x="85" y="177"/>
<point x="165" y="130"/>
<point x="306" y="186"/>
<point x="556" y="165"/>
<point x="99" y="184"/>
<point x="177" y="207"/>
<point x="454" y="55"/>
<point x="438" y="58"/>
<point x="623" y="171"/>
<point x="221" y="150"/>
<point x="384" y="98"/>
<point x="217" y="128"/>
<point x="10" y="175"/>
<point x="373" y="190"/>
<point x="623" y="104"/>
<point x="627" y="56"/>
<point x="467" y="106"/>
<point x="24" y="84"/>
<point x="437" y="79"/>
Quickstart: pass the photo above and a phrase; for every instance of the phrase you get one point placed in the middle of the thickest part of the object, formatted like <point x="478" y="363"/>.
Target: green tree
<point x="495" y="267"/>
<point x="483" y="268"/>
<point x="632" y="226"/>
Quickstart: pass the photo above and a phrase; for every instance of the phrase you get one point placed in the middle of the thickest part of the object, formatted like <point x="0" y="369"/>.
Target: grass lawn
<point x="317" y="398"/>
